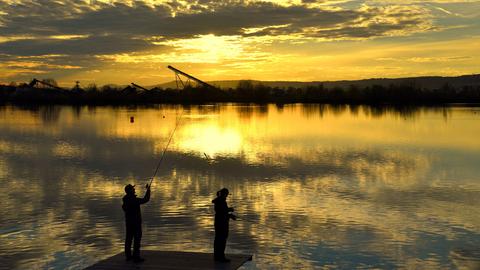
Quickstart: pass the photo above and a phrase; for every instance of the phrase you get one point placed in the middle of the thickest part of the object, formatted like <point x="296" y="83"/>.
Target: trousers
<point x="134" y="232"/>
<point x="220" y="242"/>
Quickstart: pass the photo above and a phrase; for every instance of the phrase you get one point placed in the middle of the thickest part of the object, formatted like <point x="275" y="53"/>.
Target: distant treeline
<point x="246" y="91"/>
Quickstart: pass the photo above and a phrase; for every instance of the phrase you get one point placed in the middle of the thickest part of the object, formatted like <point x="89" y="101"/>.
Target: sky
<point x="124" y="41"/>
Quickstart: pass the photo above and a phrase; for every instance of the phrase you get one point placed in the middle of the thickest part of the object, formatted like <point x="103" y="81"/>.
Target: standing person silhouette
<point x="222" y="218"/>
<point x="133" y="221"/>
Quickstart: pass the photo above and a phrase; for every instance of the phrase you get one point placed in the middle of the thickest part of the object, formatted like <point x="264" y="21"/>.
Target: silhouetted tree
<point x="246" y="91"/>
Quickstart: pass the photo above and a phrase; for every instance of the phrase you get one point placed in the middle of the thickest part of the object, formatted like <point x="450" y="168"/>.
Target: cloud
<point x="45" y="18"/>
<point x="93" y="45"/>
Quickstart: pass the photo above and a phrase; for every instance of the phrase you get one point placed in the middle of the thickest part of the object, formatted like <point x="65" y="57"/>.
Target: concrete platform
<point x="172" y="260"/>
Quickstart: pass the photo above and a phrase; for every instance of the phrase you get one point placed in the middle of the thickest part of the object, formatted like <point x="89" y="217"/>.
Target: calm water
<point x="316" y="186"/>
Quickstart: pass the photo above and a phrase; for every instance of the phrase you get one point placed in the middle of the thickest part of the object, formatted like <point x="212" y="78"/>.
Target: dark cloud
<point x="232" y="20"/>
<point x="364" y="23"/>
<point x="43" y="18"/>
<point x="79" y="46"/>
<point x="142" y="20"/>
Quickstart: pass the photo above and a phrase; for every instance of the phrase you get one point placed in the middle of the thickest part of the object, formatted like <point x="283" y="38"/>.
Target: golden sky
<point x="120" y="41"/>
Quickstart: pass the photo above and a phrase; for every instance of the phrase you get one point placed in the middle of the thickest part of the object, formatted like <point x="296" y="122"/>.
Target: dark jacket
<point x="222" y="210"/>
<point x="131" y="207"/>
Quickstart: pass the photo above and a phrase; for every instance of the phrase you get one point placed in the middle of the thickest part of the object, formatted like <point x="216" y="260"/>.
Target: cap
<point x="129" y="187"/>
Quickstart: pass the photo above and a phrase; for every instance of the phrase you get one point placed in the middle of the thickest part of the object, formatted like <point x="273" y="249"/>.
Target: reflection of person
<point x="133" y="221"/>
<point x="222" y="218"/>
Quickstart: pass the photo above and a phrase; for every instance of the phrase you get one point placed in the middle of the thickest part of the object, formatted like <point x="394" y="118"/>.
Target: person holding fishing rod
<point x="133" y="221"/>
<point x="133" y="215"/>
<point x="222" y="217"/>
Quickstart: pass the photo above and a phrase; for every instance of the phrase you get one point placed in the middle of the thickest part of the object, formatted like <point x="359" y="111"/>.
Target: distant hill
<point x="428" y="82"/>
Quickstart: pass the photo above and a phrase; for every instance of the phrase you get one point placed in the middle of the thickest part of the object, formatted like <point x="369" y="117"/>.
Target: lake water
<point x="316" y="186"/>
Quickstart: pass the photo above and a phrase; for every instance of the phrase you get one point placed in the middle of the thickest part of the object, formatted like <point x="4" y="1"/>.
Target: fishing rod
<point x="178" y="118"/>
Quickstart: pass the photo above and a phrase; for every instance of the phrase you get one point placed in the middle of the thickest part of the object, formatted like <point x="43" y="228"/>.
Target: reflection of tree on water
<point x="247" y="111"/>
<point x="310" y="110"/>
<point x="77" y="111"/>
<point x="280" y="107"/>
<point x="50" y="114"/>
<point x="375" y="111"/>
<point x="355" y="109"/>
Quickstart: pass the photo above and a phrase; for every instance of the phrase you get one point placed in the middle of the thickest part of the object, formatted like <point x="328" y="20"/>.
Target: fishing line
<point x="178" y="118"/>
<point x="243" y="218"/>
<point x="257" y="223"/>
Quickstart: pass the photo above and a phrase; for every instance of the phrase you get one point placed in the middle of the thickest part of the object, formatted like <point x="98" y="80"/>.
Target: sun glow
<point x="211" y="140"/>
<point x="208" y="49"/>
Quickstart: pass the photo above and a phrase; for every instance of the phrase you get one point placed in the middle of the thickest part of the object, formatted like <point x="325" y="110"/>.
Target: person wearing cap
<point x="222" y="218"/>
<point x="133" y="221"/>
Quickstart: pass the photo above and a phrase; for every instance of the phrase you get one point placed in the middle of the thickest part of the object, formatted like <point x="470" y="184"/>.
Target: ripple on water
<point x="321" y="190"/>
